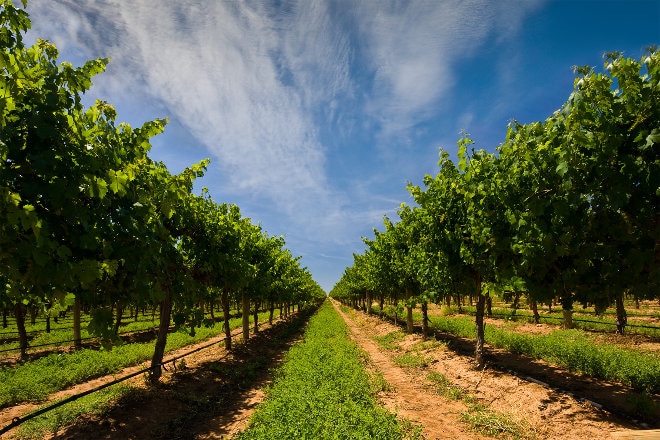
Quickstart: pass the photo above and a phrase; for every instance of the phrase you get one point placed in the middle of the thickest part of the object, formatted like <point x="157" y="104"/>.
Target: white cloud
<point x="212" y="65"/>
<point x="415" y="48"/>
<point x="257" y="84"/>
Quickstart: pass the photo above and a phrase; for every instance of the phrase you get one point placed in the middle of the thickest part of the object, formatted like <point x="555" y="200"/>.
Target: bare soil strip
<point x="212" y="398"/>
<point x="547" y="413"/>
<point x="410" y="397"/>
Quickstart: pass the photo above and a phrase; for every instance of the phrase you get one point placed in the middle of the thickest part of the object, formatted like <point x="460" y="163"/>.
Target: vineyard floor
<point x="212" y="397"/>
<point x="543" y="412"/>
<point x="215" y="394"/>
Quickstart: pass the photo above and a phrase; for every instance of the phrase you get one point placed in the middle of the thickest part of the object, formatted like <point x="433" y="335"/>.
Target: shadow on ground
<point x="197" y="401"/>
<point x="620" y="400"/>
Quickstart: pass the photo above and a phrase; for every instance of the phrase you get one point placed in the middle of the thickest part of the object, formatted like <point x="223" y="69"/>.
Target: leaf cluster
<point x="566" y="207"/>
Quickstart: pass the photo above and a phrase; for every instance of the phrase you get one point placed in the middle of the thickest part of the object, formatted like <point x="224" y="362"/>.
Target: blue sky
<point x="316" y="114"/>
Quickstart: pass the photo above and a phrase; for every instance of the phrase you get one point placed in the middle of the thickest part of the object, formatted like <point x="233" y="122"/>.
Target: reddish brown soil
<point x="214" y="396"/>
<point x="543" y="412"/>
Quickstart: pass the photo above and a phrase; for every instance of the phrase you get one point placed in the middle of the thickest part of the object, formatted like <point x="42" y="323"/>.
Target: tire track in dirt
<point x="410" y="398"/>
<point x="24" y="409"/>
<point x="186" y="380"/>
<point x="547" y="414"/>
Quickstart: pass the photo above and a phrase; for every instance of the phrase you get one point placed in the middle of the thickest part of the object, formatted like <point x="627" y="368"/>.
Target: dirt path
<point x="409" y="397"/>
<point x="23" y="409"/>
<point x="212" y="398"/>
<point x="617" y="398"/>
<point x="543" y="412"/>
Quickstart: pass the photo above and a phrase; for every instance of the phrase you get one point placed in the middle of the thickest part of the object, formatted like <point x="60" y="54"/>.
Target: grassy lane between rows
<point x="575" y="350"/>
<point x="103" y="402"/>
<point x="98" y="403"/>
<point x="34" y="381"/>
<point x="571" y="349"/>
<point x="478" y="416"/>
<point x="604" y="323"/>
<point x="61" y="334"/>
<point x="322" y="391"/>
<point x="64" y="336"/>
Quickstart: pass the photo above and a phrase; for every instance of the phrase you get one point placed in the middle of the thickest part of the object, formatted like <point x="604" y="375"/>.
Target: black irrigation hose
<point x="73" y="340"/>
<point x="574" y="320"/>
<point x="233" y="315"/>
<point x="16" y="421"/>
<point x="600" y="406"/>
<point x="19" y="420"/>
<point x="66" y="342"/>
<point x="46" y="345"/>
<point x="70" y="328"/>
<point x="16" y="332"/>
<point x="63" y="328"/>
<point x="556" y="389"/>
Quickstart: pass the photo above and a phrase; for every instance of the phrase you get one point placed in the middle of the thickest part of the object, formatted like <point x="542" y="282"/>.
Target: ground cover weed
<point x="51" y="422"/>
<point x="412" y="360"/>
<point x="322" y="391"/>
<point x="445" y="387"/>
<point x="572" y="349"/>
<point x="391" y="340"/>
<point x="495" y="424"/>
<point x="35" y="380"/>
<point x="480" y="417"/>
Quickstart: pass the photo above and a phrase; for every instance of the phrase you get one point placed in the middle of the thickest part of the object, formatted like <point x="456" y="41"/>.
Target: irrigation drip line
<point x="58" y="329"/>
<point x="73" y="340"/>
<point x="575" y="396"/>
<point x="16" y="421"/>
<point x="69" y="341"/>
<point x="559" y="390"/>
<point x="82" y="322"/>
<point x="558" y="318"/>
<point x="46" y="345"/>
<point x="127" y="322"/>
<point x="31" y="331"/>
<point x="643" y="326"/>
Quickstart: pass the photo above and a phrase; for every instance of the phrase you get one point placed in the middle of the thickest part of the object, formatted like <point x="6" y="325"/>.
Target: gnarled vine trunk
<point x="77" y="340"/>
<point x="245" y="306"/>
<point x="621" y="316"/>
<point x="255" y="316"/>
<point x="409" y="312"/>
<point x="567" y="310"/>
<point x="479" y="351"/>
<point x="224" y="299"/>
<point x="19" y="314"/>
<point x="164" y="326"/>
<point x="425" y="320"/>
<point x="120" y="313"/>
<point x="535" y="310"/>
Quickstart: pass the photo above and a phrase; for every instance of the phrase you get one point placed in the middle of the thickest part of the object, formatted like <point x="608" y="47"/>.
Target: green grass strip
<point x="34" y="381"/>
<point x="572" y="349"/>
<point x="51" y="422"/>
<point x="605" y="323"/>
<point x="322" y="391"/>
<point x="65" y="336"/>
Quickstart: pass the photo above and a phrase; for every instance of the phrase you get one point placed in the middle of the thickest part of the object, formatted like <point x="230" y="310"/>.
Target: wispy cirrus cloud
<point x="274" y="89"/>
<point x="415" y="48"/>
<point x="219" y="67"/>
